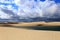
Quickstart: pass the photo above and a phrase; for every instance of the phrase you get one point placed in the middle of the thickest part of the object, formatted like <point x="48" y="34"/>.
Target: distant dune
<point x="33" y="24"/>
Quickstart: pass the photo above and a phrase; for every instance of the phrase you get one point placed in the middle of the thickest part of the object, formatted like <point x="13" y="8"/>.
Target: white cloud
<point x="46" y="8"/>
<point x="32" y="9"/>
<point x="4" y="15"/>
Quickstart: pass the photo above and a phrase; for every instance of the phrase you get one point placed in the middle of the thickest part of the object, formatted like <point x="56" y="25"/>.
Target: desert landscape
<point x="12" y="33"/>
<point x="31" y="24"/>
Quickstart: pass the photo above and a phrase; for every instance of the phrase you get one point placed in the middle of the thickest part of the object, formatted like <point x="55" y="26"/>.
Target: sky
<point x="57" y="1"/>
<point x="30" y="8"/>
<point x="16" y="7"/>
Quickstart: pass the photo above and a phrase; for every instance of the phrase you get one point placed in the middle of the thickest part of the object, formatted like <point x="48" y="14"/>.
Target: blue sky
<point x="39" y="10"/>
<point x="15" y="6"/>
<point x="57" y="1"/>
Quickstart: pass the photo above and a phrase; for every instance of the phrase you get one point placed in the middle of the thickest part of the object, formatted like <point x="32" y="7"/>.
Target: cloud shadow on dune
<point x="47" y="28"/>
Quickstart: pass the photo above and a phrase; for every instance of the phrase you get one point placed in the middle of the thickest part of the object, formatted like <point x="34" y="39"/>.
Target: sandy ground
<point x="34" y="24"/>
<point x="9" y="33"/>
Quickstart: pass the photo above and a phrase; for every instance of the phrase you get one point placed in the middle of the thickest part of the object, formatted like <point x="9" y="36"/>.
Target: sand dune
<point x="34" y="24"/>
<point x="11" y="33"/>
<point x="7" y="33"/>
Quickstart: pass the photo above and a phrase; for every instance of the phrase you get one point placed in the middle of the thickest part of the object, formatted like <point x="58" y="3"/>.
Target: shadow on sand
<point x="38" y="27"/>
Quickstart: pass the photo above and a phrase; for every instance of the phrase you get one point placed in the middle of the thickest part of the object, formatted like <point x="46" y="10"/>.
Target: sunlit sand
<point x="34" y="24"/>
<point x="7" y="33"/>
<point x="11" y="33"/>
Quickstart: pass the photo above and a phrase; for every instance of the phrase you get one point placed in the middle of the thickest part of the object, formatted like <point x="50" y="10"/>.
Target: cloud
<point x="3" y="15"/>
<point x="33" y="9"/>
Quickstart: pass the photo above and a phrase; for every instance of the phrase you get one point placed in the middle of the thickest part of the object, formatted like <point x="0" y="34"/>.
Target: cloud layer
<point x="24" y="9"/>
<point x="33" y="9"/>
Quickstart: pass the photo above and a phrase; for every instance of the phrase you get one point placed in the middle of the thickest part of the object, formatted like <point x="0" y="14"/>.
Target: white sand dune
<point x="10" y="33"/>
<point x="7" y="33"/>
<point x="33" y="24"/>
